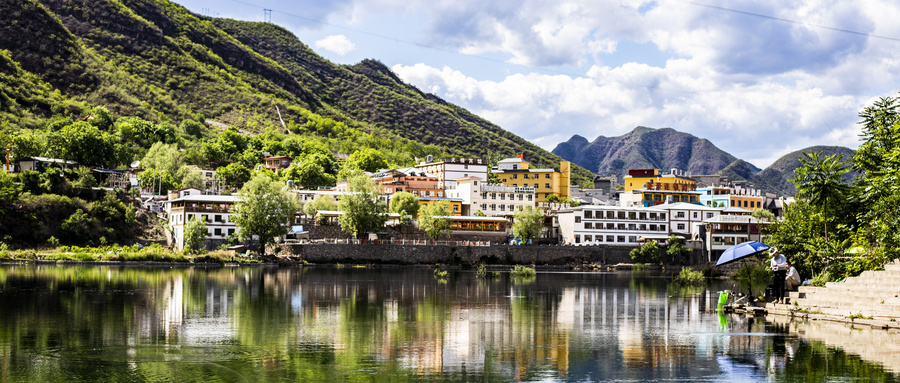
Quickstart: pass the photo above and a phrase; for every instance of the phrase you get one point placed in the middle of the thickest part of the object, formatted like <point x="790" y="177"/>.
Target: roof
<point x="440" y="199"/>
<point x="732" y="219"/>
<point x="206" y="198"/>
<point x="611" y="207"/>
<point x="512" y="160"/>
<point x="685" y="206"/>
<point x="694" y="192"/>
<point x="474" y="218"/>
<point x="47" y="159"/>
<point x="336" y="213"/>
<point x="278" y="158"/>
<point x="735" y="209"/>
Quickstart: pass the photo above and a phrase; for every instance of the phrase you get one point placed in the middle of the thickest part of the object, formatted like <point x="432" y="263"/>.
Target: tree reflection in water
<point x="290" y="324"/>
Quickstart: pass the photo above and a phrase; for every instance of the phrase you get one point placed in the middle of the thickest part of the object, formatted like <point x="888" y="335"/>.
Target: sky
<point x="757" y="78"/>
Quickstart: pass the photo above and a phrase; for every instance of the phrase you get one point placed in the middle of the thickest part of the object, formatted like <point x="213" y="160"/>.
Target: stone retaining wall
<point x="502" y="254"/>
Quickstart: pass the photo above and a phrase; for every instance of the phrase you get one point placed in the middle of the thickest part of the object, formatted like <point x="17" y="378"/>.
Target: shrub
<point x="648" y="253"/>
<point x="688" y="276"/>
<point x="522" y="271"/>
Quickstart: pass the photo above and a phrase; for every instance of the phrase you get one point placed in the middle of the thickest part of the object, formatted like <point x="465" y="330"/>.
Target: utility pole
<point x="267" y="15"/>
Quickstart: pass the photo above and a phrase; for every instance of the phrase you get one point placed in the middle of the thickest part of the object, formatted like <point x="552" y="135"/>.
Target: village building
<point x="448" y="171"/>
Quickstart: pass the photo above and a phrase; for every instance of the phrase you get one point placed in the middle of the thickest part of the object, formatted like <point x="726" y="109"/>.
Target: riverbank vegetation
<point x="846" y="218"/>
<point x="112" y="254"/>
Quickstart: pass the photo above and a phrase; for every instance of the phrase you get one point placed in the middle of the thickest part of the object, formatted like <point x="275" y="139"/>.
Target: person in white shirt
<point x="778" y="263"/>
<point x="792" y="279"/>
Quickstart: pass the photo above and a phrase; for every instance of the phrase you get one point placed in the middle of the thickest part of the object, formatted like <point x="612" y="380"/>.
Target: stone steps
<point x="872" y="293"/>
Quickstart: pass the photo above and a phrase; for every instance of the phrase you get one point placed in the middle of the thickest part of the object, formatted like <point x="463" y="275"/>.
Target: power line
<point x="770" y="17"/>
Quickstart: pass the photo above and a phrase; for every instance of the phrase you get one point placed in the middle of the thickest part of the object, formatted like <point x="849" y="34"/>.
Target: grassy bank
<point x="135" y="253"/>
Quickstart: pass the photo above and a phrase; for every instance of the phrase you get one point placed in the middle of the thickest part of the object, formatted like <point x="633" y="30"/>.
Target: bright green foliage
<point x="85" y="144"/>
<point x="434" y="219"/>
<point x="763" y="214"/>
<point x="263" y="209"/>
<point x="404" y="203"/>
<point x="195" y="233"/>
<point x="368" y="160"/>
<point x="77" y="225"/>
<point x="677" y="252"/>
<point x="101" y="118"/>
<point x="143" y="132"/>
<point x="363" y="210"/>
<point x="647" y="253"/>
<point x="163" y="157"/>
<point x="234" y="175"/>
<point x="691" y="277"/>
<point x="159" y="182"/>
<point x="522" y="271"/>
<point x="821" y="181"/>
<point x="309" y="173"/>
<point x="190" y="179"/>
<point x="84" y="178"/>
<point x="9" y="191"/>
<point x="192" y="128"/>
<point x="528" y="223"/>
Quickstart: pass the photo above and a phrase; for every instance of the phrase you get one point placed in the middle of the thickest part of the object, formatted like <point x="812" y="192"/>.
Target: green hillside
<point x="154" y="60"/>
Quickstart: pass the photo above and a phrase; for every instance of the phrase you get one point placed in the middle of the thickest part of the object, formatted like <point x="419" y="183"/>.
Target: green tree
<point x="435" y="219"/>
<point x="528" y="223"/>
<point x="85" y="144"/>
<point x="405" y="203"/>
<point x="677" y="252"/>
<point x="763" y="214"/>
<point x="234" y="174"/>
<point x="192" y="128"/>
<point x="195" y="233"/>
<point x="159" y="182"/>
<point x="321" y="202"/>
<point x="647" y="253"/>
<point x="163" y="157"/>
<point x="821" y="181"/>
<point x="309" y="173"/>
<point x="190" y="179"/>
<point x="263" y="209"/>
<point x="101" y="118"/>
<point x="363" y="211"/>
<point x="368" y="160"/>
<point x="9" y="191"/>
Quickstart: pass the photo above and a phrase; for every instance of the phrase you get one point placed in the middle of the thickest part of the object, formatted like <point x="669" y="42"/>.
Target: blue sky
<point x="758" y="78"/>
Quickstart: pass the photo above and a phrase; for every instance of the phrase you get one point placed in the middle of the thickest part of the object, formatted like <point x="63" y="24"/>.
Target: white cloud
<point x="338" y="44"/>
<point x="755" y="122"/>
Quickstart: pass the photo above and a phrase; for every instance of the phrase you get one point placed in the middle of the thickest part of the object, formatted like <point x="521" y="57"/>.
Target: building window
<point x="529" y="197"/>
<point x="455" y="207"/>
<point x="620" y="239"/>
<point x="695" y="215"/>
<point x="679" y="214"/>
<point x="662" y="227"/>
<point x="493" y="195"/>
<point x="547" y="176"/>
<point x="577" y="219"/>
<point x="577" y="238"/>
<point x="502" y="197"/>
<point x="218" y="218"/>
<point x="515" y="176"/>
<point x="440" y="194"/>
<point x="588" y="214"/>
<point x="709" y="215"/>
<point x="484" y="206"/>
<point x="610" y="239"/>
<point x="588" y="225"/>
<point x="230" y="231"/>
<point x="521" y="196"/>
<point x="512" y="208"/>
<point x="218" y="232"/>
<point x="632" y="238"/>
<point x="535" y="186"/>
<point x="681" y="226"/>
<point x="493" y="207"/>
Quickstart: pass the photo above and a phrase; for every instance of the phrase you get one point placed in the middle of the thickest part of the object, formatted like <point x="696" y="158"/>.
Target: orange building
<point x="411" y="180"/>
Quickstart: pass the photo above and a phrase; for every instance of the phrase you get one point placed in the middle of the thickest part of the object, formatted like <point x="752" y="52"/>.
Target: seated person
<point x="792" y="280"/>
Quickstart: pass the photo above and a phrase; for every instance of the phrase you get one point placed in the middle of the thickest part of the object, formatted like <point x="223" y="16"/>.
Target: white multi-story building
<point x="216" y="210"/>
<point x="491" y="199"/>
<point x="612" y="225"/>
<point x="686" y="219"/>
<point x="449" y="171"/>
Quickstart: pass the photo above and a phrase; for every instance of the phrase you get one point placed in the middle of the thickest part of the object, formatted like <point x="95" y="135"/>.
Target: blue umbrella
<point x="741" y="250"/>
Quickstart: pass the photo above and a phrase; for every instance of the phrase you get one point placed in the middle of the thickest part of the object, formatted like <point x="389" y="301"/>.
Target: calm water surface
<point x="93" y="324"/>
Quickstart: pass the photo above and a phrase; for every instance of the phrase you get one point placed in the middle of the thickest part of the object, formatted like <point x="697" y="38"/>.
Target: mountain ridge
<point x="666" y="148"/>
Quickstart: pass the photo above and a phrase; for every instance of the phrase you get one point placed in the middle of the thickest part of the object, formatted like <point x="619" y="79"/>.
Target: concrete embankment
<point x="447" y="254"/>
<point x="872" y="299"/>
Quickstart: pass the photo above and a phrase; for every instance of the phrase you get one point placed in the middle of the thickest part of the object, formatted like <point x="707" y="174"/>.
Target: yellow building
<point x="517" y="172"/>
<point x="648" y="187"/>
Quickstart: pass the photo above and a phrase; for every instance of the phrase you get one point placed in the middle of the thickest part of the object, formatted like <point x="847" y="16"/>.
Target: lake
<point x="269" y="324"/>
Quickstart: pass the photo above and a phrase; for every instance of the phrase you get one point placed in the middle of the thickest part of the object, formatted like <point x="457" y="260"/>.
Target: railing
<point x="410" y="242"/>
